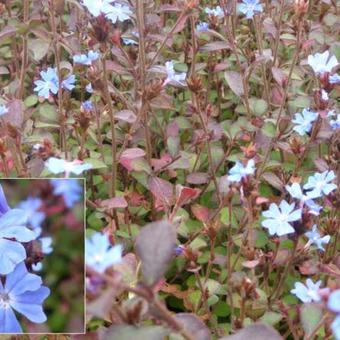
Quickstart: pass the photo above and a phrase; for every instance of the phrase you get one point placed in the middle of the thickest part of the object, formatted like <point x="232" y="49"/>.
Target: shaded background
<point x="63" y="269"/>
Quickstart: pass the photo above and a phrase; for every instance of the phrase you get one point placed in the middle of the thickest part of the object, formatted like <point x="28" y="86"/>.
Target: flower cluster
<point x="173" y="78"/>
<point x="304" y="121"/>
<point x="86" y="59"/>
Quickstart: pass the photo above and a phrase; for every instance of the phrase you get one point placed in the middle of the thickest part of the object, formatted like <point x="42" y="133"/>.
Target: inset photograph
<point x="42" y="256"/>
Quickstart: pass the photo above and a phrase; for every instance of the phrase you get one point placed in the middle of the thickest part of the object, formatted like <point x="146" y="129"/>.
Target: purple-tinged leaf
<point x="155" y="246"/>
<point x="197" y="178"/>
<point x="126" y="116"/>
<point x="162" y="191"/>
<point x="194" y="326"/>
<point x="114" y="203"/>
<point x="234" y="81"/>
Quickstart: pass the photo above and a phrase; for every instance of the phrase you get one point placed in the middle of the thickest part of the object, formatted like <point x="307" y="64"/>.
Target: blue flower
<point x="13" y="230"/>
<point x="307" y="293"/>
<point x="336" y="327"/>
<point x="70" y="189"/>
<point x="249" y="7"/>
<point x="49" y="83"/>
<point x="320" y="184"/>
<point x="202" y="26"/>
<point x="100" y="254"/>
<point x="118" y="12"/>
<point x="35" y="217"/>
<point x="239" y="171"/>
<point x="216" y="12"/>
<point x="278" y="218"/>
<point x="333" y="302"/>
<point x="3" y="110"/>
<point x="87" y="105"/>
<point x="46" y="245"/>
<point x="322" y="63"/>
<point x="89" y="88"/>
<point x="304" y="121"/>
<point x="57" y="166"/>
<point x="296" y="192"/>
<point x="315" y="238"/>
<point x="334" y="79"/>
<point x="335" y="123"/>
<point x="24" y="293"/>
<point x="86" y="59"/>
<point x="68" y="83"/>
<point x="127" y="41"/>
<point x="172" y="77"/>
<point x="97" y="7"/>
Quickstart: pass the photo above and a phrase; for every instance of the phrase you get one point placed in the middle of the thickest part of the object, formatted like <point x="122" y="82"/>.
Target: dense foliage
<point x="208" y="133"/>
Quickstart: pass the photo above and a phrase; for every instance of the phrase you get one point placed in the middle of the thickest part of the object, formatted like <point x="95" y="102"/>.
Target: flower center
<point x="4" y="300"/>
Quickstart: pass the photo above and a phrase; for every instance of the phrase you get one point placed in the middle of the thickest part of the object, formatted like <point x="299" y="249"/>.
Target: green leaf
<point x="258" y="106"/>
<point x="271" y="318"/>
<point x="269" y="129"/>
<point x="310" y="315"/>
<point x="31" y="100"/>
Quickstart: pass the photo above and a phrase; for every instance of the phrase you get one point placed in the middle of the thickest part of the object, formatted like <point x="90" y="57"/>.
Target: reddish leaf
<point x="126" y="116"/>
<point x="185" y="194"/>
<point x="114" y="203"/>
<point x="162" y="162"/>
<point x="129" y="155"/>
<point x="198" y="178"/>
<point x="200" y="212"/>
<point x="234" y="81"/>
<point x="162" y="191"/>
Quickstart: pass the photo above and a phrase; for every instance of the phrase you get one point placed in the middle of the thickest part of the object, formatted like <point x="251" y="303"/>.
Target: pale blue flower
<point x="100" y="255"/>
<point x="250" y="7"/>
<point x="87" y="105"/>
<point x="3" y="110"/>
<point x="24" y="293"/>
<point x="322" y="63"/>
<point x="89" y="88"/>
<point x="307" y="293"/>
<point x="239" y="171"/>
<point x="324" y="95"/>
<point x="320" y="184"/>
<point x="68" y="83"/>
<point x="295" y="191"/>
<point x="49" y="83"/>
<point x="278" y="218"/>
<point x="335" y="123"/>
<point x="37" y="267"/>
<point x="216" y="12"/>
<point x="334" y="79"/>
<point x="315" y="238"/>
<point x="35" y="217"/>
<point x="172" y="77"/>
<point x="57" y="166"/>
<point x="202" y="27"/>
<point x="127" y="41"/>
<point x="336" y="327"/>
<point x="86" y="59"/>
<point x="333" y="302"/>
<point x="46" y="244"/>
<point x="118" y="12"/>
<point x="70" y="189"/>
<point x="304" y="121"/>
<point x="96" y="7"/>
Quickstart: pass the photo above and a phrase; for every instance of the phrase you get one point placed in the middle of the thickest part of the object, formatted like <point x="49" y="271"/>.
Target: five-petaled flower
<point x="50" y="83"/>
<point x="24" y="293"/>
<point x="307" y="293"/>
<point x="250" y="7"/>
<point x="315" y="238"/>
<point x="239" y="171"/>
<point x="58" y="166"/>
<point x="278" y="218"/>
<point x="320" y="184"/>
<point x="322" y="63"/>
<point x="216" y="12"/>
<point x="100" y="255"/>
<point x="304" y="121"/>
<point x="172" y="77"/>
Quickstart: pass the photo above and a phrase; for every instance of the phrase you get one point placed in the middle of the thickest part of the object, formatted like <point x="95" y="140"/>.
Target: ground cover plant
<point x="208" y="134"/>
<point x="41" y="243"/>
